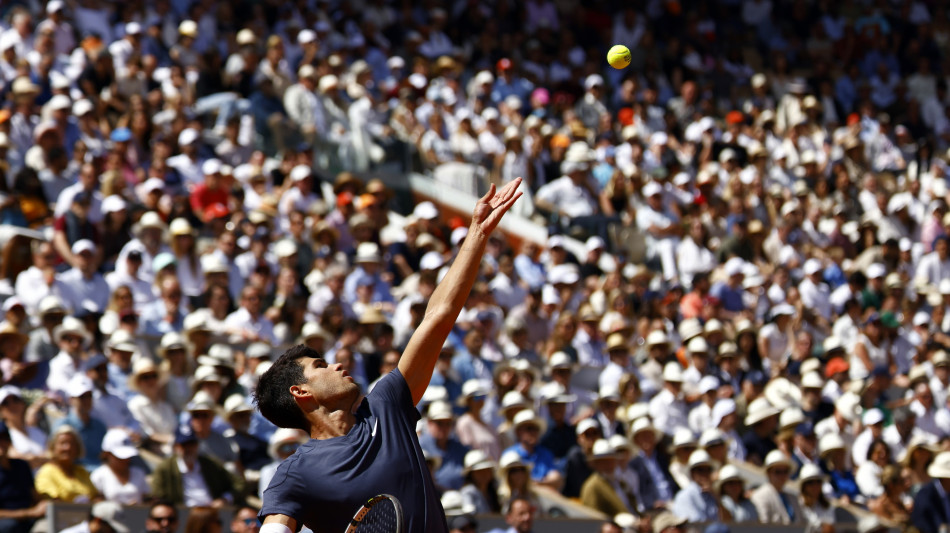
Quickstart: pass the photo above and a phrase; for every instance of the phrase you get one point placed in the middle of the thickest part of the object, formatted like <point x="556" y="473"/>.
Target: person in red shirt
<point x="211" y="191"/>
<point x="691" y="306"/>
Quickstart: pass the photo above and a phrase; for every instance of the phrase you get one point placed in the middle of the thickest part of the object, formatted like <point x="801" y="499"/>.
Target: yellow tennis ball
<point x="618" y="56"/>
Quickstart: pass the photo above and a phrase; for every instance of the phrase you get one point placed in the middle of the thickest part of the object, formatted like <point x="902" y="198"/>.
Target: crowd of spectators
<point x="761" y="198"/>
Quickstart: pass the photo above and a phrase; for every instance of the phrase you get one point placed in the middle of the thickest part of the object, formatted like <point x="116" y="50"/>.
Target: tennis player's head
<point x="301" y="382"/>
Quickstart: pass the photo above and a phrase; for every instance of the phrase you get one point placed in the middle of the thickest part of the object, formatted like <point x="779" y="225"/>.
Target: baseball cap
<point x="118" y="443"/>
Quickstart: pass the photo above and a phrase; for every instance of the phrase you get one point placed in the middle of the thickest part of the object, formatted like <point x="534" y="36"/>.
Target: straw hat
<point x="454" y="504"/>
<point x="528" y="417"/>
<point x="940" y="467"/>
<point x="601" y="450"/>
<point x="9" y="331"/>
<point x="71" y="325"/>
<point x="728" y="473"/>
<point x="642" y="425"/>
<point x="810" y="472"/>
<point x="143" y="365"/>
<point x="830" y="443"/>
<point x="699" y="458"/>
<point x="477" y="460"/>
<point x="471" y="389"/>
<point x="759" y="410"/>
<point x="283" y="436"/>
<point x="512" y="459"/>
<point x="777" y="458"/>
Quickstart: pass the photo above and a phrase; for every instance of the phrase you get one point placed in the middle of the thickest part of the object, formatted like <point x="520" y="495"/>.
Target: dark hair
<point x="163" y="503"/>
<point x="272" y="394"/>
<point x="874" y="444"/>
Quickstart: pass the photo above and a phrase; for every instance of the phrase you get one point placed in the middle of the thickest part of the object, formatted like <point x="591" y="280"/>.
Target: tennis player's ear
<point x="300" y="392"/>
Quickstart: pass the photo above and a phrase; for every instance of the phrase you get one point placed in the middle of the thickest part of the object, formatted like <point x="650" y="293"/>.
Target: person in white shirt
<point x="247" y="323"/>
<point x="873" y="420"/>
<point x="693" y="255"/>
<point x="661" y="227"/>
<point x="300" y="197"/>
<point x="88" y="182"/>
<point x="149" y="233"/>
<point x="667" y="409"/>
<point x="83" y="282"/>
<point x="814" y="293"/>
<point x="187" y="162"/>
<point x="935" y="266"/>
<point x="39" y="280"/>
<point x="117" y="479"/>
<point x="572" y="195"/>
<point x="73" y="339"/>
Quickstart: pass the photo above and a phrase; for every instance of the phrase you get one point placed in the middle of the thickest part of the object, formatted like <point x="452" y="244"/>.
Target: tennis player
<point x="363" y="447"/>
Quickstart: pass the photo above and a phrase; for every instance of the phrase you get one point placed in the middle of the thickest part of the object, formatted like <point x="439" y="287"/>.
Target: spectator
<point x="22" y="506"/>
<point x="601" y="490"/>
<point x="117" y="479"/>
<point x="208" y="482"/>
<point x="734" y="506"/>
<point x="439" y="442"/>
<point x="772" y="504"/>
<point x="696" y="501"/>
<point x="64" y="478"/>
<point x="817" y="511"/>
<point x="162" y="518"/>
<point x="480" y="490"/>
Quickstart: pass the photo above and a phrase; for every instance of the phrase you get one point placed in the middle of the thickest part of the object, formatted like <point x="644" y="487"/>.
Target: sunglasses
<point x="201" y="415"/>
<point x="164" y="518"/>
<point x="250" y="522"/>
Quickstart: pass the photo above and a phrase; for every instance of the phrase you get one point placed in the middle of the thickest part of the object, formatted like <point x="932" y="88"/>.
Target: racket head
<point x="380" y="514"/>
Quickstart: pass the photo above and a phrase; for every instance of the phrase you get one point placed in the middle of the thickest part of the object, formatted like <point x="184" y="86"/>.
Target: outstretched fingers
<point x="503" y="208"/>
<point x="506" y="192"/>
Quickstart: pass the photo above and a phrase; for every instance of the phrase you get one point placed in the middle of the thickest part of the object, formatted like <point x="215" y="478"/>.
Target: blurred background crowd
<point x="739" y="313"/>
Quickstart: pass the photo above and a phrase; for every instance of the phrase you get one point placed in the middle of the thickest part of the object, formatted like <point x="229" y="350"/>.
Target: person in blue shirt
<point x="439" y="442"/>
<point x="90" y="429"/>
<point x="361" y="447"/>
<point x="696" y="501"/>
<point x="528" y="430"/>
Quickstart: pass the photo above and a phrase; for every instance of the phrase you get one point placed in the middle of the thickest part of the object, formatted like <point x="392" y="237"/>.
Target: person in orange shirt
<point x="691" y="306"/>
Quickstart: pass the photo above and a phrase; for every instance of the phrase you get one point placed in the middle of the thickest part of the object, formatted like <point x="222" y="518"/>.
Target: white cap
<point x="872" y="416"/>
<point x="80" y="384"/>
<point x="431" y="261"/>
<point x="113" y="203"/>
<point x="708" y="384"/>
<point x="83" y="245"/>
<point x="812" y="266"/>
<point x="734" y="266"/>
<point x="673" y="372"/>
<point x="651" y="188"/>
<point x="133" y="28"/>
<point x="458" y="235"/>
<point x="306" y="36"/>
<point x="54" y="5"/>
<point x="586" y="425"/>
<point x="300" y="173"/>
<point x="60" y="101"/>
<point x="876" y="270"/>
<point x="426" y="210"/>
<point x="812" y="380"/>
<point x="697" y="345"/>
<point x="118" y="443"/>
<point x="187" y="136"/>
<point x="593" y="81"/>
<point x="550" y="296"/>
<point x="285" y="248"/>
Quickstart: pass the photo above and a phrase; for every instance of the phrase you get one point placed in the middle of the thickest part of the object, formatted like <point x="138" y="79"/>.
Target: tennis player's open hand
<point x="491" y="207"/>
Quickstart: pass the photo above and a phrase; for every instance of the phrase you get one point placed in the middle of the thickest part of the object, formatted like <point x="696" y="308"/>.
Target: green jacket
<point x="167" y="482"/>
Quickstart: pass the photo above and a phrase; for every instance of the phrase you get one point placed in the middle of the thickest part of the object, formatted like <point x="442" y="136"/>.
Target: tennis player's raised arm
<point x="418" y="360"/>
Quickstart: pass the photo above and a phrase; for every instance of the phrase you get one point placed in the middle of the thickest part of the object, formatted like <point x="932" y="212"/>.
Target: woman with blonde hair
<point x="121" y="303"/>
<point x="515" y="480"/>
<point x="63" y="478"/>
<point x="563" y="333"/>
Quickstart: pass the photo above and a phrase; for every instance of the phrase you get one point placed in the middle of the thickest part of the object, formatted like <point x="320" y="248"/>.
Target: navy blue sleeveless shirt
<point x="326" y="481"/>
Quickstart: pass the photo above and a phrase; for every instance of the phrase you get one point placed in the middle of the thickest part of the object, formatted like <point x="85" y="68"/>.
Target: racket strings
<point x="381" y="518"/>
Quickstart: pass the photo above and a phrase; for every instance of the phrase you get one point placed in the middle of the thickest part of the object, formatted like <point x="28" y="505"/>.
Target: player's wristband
<point x="275" y="528"/>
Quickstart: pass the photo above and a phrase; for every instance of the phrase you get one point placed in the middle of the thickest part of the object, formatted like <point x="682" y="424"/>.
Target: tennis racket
<point x="381" y="514"/>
